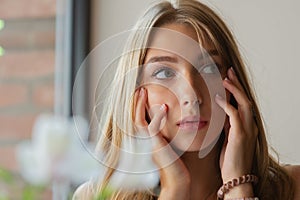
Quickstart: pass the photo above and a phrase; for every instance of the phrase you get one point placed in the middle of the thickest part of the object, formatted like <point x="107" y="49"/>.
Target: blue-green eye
<point x="210" y="69"/>
<point x="164" y="73"/>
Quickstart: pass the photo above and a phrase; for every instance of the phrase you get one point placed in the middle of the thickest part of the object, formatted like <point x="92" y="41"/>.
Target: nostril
<point x="185" y="103"/>
<point x="191" y="102"/>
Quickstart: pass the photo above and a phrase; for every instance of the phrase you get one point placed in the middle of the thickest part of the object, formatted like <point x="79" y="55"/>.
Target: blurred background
<point x="44" y="42"/>
<point x="27" y="65"/>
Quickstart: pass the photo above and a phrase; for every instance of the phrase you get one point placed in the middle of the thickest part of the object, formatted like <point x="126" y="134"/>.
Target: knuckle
<point x="140" y="128"/>
<point x="234" y="89"/>
<point x="234" y="112"/>
<point x="240" y="138"/>
<point x="139" y="122"/>
<point x="243" y="138"/>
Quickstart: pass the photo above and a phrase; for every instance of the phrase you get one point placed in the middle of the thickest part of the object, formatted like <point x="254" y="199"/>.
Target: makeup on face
<point x="180" y="73"/>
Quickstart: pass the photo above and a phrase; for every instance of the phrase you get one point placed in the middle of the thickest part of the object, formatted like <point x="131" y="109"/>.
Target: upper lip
<point x="191" y="119"/>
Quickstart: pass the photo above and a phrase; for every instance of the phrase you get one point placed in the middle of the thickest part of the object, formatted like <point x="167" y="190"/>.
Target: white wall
<point x="268" y="33"/>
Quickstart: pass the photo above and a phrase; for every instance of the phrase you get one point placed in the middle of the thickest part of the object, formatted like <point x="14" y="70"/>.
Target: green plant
<point x="104" y="194"/>
<point x="6" y="175"/>
<point x="28" y="192"/>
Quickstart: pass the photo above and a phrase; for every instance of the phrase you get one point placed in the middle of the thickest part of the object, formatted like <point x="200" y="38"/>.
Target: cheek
<point x="158" y="95"/>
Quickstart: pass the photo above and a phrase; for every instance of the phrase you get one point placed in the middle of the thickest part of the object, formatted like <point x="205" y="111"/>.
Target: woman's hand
<point x="174" y="176"/>
<point x="241" y="133"/>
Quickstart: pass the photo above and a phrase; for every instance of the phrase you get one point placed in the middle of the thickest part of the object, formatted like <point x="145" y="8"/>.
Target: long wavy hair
<point x="274" y="182"/>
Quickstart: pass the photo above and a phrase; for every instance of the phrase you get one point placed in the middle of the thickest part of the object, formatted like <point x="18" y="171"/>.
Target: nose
<point x="191" y="95"/>
<point x="191" y="102"/>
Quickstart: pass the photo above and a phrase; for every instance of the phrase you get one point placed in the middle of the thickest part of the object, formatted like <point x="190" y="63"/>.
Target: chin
<point x="186" y="145"/>
<point x="191" y="148"/>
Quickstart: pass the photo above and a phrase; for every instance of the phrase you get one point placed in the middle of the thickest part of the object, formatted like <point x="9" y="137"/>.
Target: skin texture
<point x="181" y="101"/>
<point x="171" y="80"/>
<point x="235" y="158"/>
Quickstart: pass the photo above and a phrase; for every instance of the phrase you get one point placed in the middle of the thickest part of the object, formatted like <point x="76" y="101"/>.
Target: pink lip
<point x="192" y="123"/>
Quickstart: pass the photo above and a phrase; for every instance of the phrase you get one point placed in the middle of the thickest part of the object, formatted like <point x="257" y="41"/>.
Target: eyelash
<point x="214" y="71"/>
<point x="163" y="69"/>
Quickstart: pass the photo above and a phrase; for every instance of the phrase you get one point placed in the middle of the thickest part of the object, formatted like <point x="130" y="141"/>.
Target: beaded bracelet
<point x="235" y="182"/>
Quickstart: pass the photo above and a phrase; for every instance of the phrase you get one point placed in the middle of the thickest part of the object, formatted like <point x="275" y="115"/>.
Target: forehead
<point x="184" y="29"/>
<point x="179" y="39"/>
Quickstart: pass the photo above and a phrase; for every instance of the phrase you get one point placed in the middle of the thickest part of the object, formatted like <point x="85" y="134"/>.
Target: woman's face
<point x="172" y="80"/>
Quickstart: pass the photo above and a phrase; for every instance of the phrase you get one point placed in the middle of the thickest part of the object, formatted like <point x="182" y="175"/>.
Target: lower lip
<point x="193" y="125"/>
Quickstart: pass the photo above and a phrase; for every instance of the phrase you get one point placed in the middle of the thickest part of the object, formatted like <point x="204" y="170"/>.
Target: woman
<point x="174" y="104"/>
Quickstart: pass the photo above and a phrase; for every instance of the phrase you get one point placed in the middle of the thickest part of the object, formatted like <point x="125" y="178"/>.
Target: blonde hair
<point x="274" y="181"/>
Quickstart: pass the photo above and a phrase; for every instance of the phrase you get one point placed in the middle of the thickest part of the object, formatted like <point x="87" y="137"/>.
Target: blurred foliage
<point x="31" y="192"/>
<point x="5" y="175"/>
<point x="28" y="192"/>
<point x="104" y="194"/>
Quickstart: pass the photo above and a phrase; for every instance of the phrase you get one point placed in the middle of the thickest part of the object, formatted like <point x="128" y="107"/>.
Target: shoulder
<point x="294" y="172"/>
<point x="84" y="191"/>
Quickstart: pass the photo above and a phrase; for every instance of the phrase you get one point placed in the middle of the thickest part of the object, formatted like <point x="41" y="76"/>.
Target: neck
<point x="205" y="174"/>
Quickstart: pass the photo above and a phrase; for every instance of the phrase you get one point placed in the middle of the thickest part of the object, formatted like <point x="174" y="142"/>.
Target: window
<point x="42" y="44"/>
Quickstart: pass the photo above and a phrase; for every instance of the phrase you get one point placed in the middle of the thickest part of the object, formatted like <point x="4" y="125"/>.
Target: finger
<point x="247" y="103"/>
<point x="232" y="76"/>
<point x="244" y="105"/>
<point x="234" y="119"/>
<point x="163" y="154"/>
<point x="238" y="94"/>
<point x="154" y="126"/>
<point x="241" y="96"/>
<point x="140" y="110"/>
<point x="172" y="169"/>
<point x="233" y="80"/>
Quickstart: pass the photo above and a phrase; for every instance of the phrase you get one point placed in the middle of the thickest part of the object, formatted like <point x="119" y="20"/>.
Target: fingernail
<point x="142" y="92"/>
<point x="163" y="107"/>
<point x="219" y="97"/>
<point x="231" y="68"/>
<point x="226" y="79"/>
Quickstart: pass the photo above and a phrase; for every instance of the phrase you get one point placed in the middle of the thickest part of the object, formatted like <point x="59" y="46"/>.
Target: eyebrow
<point x="163" y="58"/>
<point x="154" y="59"/>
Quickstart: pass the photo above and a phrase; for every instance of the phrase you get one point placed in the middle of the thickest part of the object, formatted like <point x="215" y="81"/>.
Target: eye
<point x="209" y="69"/>
<point x="164" y="73"/>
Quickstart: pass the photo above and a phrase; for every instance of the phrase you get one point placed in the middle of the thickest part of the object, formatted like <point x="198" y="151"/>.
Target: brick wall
<point x="26" y="71"/>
